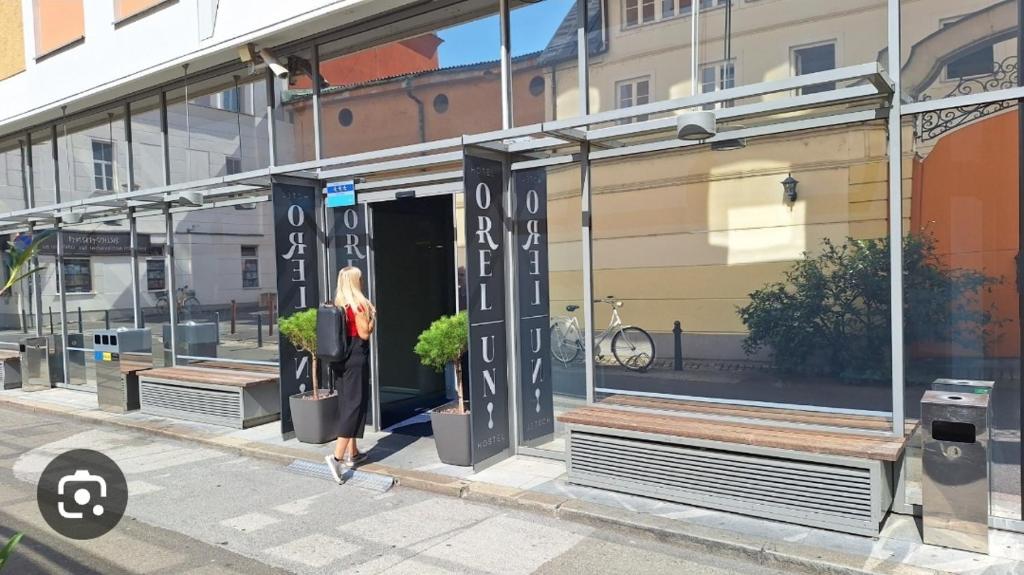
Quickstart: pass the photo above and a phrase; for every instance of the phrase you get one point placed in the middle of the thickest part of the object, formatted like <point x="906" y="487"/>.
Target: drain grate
<point x="354" y="477"/>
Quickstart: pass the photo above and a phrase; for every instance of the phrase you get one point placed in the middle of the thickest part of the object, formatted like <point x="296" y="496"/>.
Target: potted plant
<point x="443" y="343"/>
<point x="8" y="549"/>
<point x="314" y="412"/>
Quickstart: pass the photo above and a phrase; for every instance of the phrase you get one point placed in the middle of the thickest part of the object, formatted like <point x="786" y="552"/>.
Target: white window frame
<point x="227" y="162"/>
<point x="719" y="83"/>
<point x="656" y="4"/>
<point x="633" y="83"/>
<point x="253" y="258"/>
<point x="105" y="166"/>
<point x="945" y="68"/>
<point x="794" y="59"/>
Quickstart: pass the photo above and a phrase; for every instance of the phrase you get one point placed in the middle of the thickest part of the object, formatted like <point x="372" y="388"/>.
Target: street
<point x="198" y="510"/>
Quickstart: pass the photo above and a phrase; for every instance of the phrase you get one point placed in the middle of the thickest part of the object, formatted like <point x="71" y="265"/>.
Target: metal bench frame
<point x="655" y="465"/>
<point x="229" y="405"/>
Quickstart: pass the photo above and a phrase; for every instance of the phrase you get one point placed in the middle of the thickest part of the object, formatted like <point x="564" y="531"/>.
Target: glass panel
<point x="429" y="86"/>
<point x="229" y="297"/>
<point x="958" y="48"/>
<point x="545" y="77"/>
<point x="43" y="188"/>
<point x="94" y="156"/>
<point x="716" y="285"/>
<point x="961" y="265"/>
<point x="147" y="144"/>
<point x="564" y="321"/>
<point x="222" y="126"/>
<point x="154" y="278"/>
<point x="293" y="112"/>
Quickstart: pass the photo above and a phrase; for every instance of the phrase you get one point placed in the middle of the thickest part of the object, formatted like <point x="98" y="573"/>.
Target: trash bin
<point x="79" y="371"/>
<point x="41" y="362"/>
<point x="194" y="339"/>
<point x="118" y="355"/>
<point x="963" y="385"/>
<point x="955" y="489"/>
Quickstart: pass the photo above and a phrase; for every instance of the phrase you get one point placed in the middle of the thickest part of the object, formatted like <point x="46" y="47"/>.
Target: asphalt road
<point x="197" y="510"/>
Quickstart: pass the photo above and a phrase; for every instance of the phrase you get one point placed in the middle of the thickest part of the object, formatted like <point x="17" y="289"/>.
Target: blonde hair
<point x="350" y="290"/>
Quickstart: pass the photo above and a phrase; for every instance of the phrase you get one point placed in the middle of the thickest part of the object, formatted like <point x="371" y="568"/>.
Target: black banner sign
<point x="84" y="244"/>
<point x="485" y="278"/>
<point x="537" y="414"/>
<point x="350" y="239"/>
<point x="297" y="284"/>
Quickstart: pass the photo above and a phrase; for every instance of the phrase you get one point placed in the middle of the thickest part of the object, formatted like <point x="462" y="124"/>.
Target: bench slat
<point x="209" y="376"/>
<point x="819" y="442"/>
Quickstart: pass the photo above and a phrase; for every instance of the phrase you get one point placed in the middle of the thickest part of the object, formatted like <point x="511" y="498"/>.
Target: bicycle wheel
<point x="161" y="306"/>
<point x="633" y="348"/>
<point x="190" y="306"/>
<point x="564" y="343"/>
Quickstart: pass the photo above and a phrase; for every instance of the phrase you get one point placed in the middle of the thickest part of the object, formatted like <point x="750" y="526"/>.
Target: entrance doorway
<point x="414" y="271"/>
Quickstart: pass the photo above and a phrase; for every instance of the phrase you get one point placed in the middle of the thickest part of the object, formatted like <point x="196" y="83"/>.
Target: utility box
<point x="194" y="339"/>
<point x="10" y="369"/>
<point x="42" y="362"/>
<point x="119" y="355"/>
<point x="955" y="487"/>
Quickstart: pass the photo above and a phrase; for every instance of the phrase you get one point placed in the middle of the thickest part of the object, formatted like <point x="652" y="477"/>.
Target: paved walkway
<point x="197" y="510"/>
<point x="539" y="484"/>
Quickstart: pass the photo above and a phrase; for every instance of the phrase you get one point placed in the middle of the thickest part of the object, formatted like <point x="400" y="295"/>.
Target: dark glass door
<point x="414" y="266"/>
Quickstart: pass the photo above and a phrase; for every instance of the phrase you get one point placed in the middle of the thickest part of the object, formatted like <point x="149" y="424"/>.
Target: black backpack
<point x="332" y="341"/>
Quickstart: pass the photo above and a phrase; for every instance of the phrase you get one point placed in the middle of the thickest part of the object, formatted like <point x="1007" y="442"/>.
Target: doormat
<point x="354" y="477"/>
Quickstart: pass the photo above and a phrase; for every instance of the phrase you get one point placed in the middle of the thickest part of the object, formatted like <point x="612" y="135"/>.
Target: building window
<point x="980" y="62"/>
<point x="232" y="165"/>
<point x="58" y="24"/>
<point x="815" y="59"/>
<point x="638" y="12"/>
<point x="250" y="267"/>
<point x="633" y="92"/>
<point x="715" y="77"/>
<point x="536" y="86"/>
<point x="124" y="9"/>
<point x="77" y="276"/>
<point x="440" y="103"/>
<point x="345" y="117"/>
<point x="229" y="101"/>
<point x="103" y="165"/>
<point x="156" y="275"/>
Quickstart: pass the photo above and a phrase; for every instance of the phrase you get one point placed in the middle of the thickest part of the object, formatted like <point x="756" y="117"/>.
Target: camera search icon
<point x="82" y="494"/>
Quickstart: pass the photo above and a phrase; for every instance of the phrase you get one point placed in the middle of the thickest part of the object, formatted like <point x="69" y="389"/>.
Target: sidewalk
<point x="539" y="485"/>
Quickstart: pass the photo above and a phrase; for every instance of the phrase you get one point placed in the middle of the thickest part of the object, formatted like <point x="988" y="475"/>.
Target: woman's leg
<point x="341" y="447"/>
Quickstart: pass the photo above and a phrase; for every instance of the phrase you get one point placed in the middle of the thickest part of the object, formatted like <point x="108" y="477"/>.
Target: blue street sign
<point x="341" y="194"/>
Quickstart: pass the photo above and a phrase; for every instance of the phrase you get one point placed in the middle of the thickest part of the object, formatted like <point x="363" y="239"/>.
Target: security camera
<point x="696" y="126"/>
<point x="272" y="62"/>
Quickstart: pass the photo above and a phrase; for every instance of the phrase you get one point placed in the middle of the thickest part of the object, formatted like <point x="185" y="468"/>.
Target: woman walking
<point x="353" y="385"/>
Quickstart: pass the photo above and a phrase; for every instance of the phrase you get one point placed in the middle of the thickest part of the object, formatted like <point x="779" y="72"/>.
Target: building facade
<point x="849" y="235"/>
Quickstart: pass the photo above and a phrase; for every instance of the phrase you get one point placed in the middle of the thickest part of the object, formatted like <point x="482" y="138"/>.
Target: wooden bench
<point x="229" y="397"/>
<point x="230" y="365"/>
<point x="10" y="369"/>
<point x="699" y="454"/>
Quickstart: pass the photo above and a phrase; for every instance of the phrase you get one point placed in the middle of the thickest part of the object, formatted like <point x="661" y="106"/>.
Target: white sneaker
<point x="351" y="462"/>
<point x="335" y="467"/>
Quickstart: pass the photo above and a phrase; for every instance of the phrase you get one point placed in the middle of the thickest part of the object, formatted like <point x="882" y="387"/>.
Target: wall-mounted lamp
<point x="71" y="218"/>
<point x="696" y="126"/>
<point x="789" y="188"/>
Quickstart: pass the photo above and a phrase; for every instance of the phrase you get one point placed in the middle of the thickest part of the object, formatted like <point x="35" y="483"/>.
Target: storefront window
<point x="217" y="125"/>
<point x="961" y="281"/>
<point x="958" y="48"/>
<point x="435" y="84"/>
<point x="545" y="75"/>
<point x="718" y="283"/>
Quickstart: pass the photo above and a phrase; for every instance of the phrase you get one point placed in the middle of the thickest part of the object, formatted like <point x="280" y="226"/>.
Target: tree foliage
<point x="300" y="330"/>
<point x="831" y="312"/>
<point x="18" y="254"/>
<point x="8" y="549"/>
<point x="443" y="343"/>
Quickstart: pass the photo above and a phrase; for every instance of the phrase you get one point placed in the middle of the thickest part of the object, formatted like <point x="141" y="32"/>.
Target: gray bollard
<point x="677" y="333"/>
<point x="216" y="323"/>
<point x="81" y="328"/>
<point x="24" y="322"/>
<point x="106" y="319"/>
<point x="259" y="331"/>
<point x="51" y="320"/>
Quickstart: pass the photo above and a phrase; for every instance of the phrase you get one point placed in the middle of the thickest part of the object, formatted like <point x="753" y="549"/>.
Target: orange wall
<point x="394" y="59"/>
<point x="966" y="193"/>
<point x="126" y="8"/>
<point x="58" y="23"/>
<point x="12" y="39"/>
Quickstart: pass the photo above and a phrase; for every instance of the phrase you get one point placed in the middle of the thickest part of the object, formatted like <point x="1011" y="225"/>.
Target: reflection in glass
<point x="958" y="48"/>
<point x="431" y="86"/>
<point x="94" y="156"/>
<point x="751" y="295"/>
<point x="961" y="266"/>
<point x="545" y="77"/>
<point x="147" y="143"/>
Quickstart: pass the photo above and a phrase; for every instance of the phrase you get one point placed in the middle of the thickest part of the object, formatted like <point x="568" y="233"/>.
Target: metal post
<point x="677" y="333"/>
<point x="511" y="306"/>
<point x="165" y="141"/>
<point x="896" y="220"/>
<point x="81" y="327"/>
<point x="106" y="319"/>
<point x="270" y="317"/>
<point x="506" y="64"/>
<point x="259" y="330"/>
<point x="694" y="51"/>
<point x="51" y="319"/>
<point x="24" y="321"/>
<point x="63" y="304"/>
<point x="271" y="105"/>
<point x="1020" y="217"/>
<point x="133" y="232"/>
<point x="588" y="273"/>
<point x="317" y="138"/>
<point x="216" y="323"/>
<point x="36" y="281"/>
<point x="583" y="56"/>
<point x="234" y="316"/>
<point x="172" y="292"/>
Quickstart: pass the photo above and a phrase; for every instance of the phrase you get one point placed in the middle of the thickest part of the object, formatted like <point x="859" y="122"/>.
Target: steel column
<point x="588" y="272"/>
<point x="172" y="292"/>
<point x="896" y="220"/>
<point x="506" y="64"/>
<point x="271" y="106"/>
<point x="317" y="132"/>
<point x="133" y="231"/>
<point x="165" y="144"/>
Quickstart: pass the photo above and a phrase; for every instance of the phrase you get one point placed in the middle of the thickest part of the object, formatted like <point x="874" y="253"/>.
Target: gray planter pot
<point x="451" y="436"/>
<point x="315" y="420"/>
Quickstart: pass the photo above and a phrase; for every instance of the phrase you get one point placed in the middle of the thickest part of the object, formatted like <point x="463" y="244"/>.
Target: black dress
<point x="352" y="380"/>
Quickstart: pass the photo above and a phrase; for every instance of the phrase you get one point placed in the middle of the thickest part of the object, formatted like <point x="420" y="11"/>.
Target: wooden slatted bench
<point x="10" y="369"/>
<point x="229" y="397"/>
<point x="230" y="365"/>
<point x="695" y="454"/>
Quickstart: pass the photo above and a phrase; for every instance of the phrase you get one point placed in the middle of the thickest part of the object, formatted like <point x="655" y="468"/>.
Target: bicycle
<point x="185" y="299"/>
<point x="632" y="347"/>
